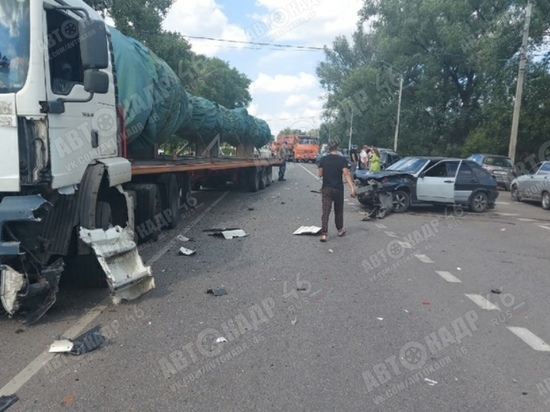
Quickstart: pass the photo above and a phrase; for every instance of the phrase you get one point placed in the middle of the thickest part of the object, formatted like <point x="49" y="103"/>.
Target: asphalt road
<point x="424" y="311"/>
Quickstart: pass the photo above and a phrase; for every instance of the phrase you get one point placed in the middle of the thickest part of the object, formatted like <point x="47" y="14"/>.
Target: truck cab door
<point x="437" y="184"/>
<point x="83" y="130"/>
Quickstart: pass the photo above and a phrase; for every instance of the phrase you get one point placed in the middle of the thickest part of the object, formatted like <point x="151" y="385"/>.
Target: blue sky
<point x="285" y="88"/>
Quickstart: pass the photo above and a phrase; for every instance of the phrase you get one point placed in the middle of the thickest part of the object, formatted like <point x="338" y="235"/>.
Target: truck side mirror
<point x="93" y="44"/>
<point x="96" y="81"/>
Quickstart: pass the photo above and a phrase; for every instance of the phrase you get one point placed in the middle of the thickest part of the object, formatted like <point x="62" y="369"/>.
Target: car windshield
<point x="307" y="140"/>
<point x="14" y="44"/>
<point x="498" y="161"/>
<point x="408" y="165"/>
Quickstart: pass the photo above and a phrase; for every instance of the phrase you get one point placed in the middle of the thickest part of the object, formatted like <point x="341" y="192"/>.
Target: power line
<point x="256" y="43"/>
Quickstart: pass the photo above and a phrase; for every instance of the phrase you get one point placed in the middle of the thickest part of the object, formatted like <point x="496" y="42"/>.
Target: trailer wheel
<point x="268" y="175"/>
<point x="253" y="179"/>
<point x="103" y="216"/>
<point x="148" y="209"/>
<point x="261" y="182"/>
<point x="170" y="199"/>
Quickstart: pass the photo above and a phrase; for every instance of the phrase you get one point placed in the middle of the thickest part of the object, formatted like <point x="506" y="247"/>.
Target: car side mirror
<point x="422" y="175"/>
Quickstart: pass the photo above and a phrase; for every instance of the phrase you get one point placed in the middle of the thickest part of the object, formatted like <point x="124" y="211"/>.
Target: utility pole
<point x="519" y="87"/>
<point x="398" y="114"/>
<point x="350" y="129"/>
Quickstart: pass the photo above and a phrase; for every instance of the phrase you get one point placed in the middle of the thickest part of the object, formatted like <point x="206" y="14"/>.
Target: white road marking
<point x="405" y="245"/>
<point x="424" y="258"/>
<point x="316" y="177"/>
<point x="448" y="276"/>
<point x="530" y="338"/>
<point x="482" y="302"/>
<point x="506" y="214"/>
<point x="380" y="226"/>
<point x="34" y="366"/>
<point x="526" y="219"/>
<point x="502" y="203"/>
<point x="390" y="234"/>
<point x="544" y="227"/>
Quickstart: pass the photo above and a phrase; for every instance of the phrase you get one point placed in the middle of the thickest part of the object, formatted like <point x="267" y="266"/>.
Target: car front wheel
<point x="479" y="202"/>
<point x="401" y="201"/>
<point x="546" y="201"/>
<point x="515" y="194"/>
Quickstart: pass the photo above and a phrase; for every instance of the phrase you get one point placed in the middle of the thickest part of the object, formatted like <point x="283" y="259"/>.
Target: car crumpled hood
<point x="367" y="175"/>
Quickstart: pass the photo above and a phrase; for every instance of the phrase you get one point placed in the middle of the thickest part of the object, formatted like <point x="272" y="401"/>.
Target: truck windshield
<point x="14" y="44"/>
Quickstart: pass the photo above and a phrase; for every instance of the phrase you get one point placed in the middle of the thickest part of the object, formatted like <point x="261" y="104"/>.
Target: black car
<point x="430" y="180"/>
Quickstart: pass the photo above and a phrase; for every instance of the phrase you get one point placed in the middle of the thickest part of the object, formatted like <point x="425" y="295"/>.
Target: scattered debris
<point x="182" y="238"/>
<point x="426" y="303"/>
<point x="331" y="251"/>
<point x="294" y="321"/>
<point x="307" y="230"/>
<point x="68" y="399"/>
<point x="217" y="291"/>
<point x="250" y="208"/>
<point x="514" y="380"/>
<point x="458" y="269"/>
<point x="87" y="342"/>
<point x="524" y="393"/>
<point x="228" y="233"/>
<point x="503" y="229"/>
<point x="7" y="401"/>
<point x="430" y="382"/>
<point x="282" y="203"/>
<point x="221" y="230"/>
<point x="496" y="291"/>
<point x="315" y="191"/>
<point x="380" y="318"/>
<point x="186" y="252"/>
<point x="301" y="289"/>
<point x="221" y="340"/>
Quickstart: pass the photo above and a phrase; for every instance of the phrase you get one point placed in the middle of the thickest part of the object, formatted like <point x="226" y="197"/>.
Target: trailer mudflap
<point x="118" y="256"/>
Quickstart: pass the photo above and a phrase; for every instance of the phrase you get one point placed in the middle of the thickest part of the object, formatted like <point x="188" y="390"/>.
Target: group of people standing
<point x="367" y="159"/>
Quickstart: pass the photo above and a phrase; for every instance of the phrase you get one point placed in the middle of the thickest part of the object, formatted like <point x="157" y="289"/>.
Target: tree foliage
<point x="458" y="61"/>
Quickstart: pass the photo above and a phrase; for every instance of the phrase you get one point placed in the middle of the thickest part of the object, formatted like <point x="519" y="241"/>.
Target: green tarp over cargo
<point x="157" y="106"/>
<point x="155" y="103"/>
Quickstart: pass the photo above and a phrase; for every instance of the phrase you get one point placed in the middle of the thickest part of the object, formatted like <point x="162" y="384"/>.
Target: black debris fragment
<point x="496" y="291"/>
<point x="217" y="291"/>
<point x="88" y="341"/>
<point x="7" y="401"/>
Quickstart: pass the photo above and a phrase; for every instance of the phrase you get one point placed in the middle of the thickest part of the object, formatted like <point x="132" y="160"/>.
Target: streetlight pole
<point x="398" y="113"/>
<point x="519" y="87"/>
<point x="350" y="130"/>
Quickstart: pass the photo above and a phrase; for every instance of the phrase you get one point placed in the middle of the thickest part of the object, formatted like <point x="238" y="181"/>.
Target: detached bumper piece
<point x="118" y="256"/>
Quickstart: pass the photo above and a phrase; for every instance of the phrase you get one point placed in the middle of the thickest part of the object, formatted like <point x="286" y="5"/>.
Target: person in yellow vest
<point x="374" y="161"/>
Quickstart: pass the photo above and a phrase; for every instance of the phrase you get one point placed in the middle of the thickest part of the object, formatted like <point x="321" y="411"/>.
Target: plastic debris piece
<point x="61" y="345"/>
<point x="307" y="230"/>
<point x="503" y="229"/>
<point x="217" y="291"/>
<point x="426" y="303"/>
<point x="186" y="252"/>
<point x="68" y="399"/>
<point x="331" y="251"/>
<point x="496" y="290"/>
<point x="301" y="289"/>
<point x="380" y="318"/>
<point x="221" y="340"/>
<point x="430" y="382"/>
<point x="7" y="401"/>
<point x="250" y="208"/>
<point x="294" y="321"/>
<point x="88" y="341"/>
<point x="458" y="269"/>
<point x="182" y="238"/>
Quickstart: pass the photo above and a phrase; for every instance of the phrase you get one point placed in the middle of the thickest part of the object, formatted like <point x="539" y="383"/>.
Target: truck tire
<point x="261" y="176"/>
<point x="253" y="179"/>
<point x="170" y="199"/>
<point x="148" y="208"/>
<point x="103" y="216"/>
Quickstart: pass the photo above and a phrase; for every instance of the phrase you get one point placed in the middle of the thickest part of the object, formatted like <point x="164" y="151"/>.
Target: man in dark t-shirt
<point x="331" y="168"/>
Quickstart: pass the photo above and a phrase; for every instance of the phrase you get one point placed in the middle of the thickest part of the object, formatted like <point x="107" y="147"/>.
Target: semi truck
<point x="83" y="110"/>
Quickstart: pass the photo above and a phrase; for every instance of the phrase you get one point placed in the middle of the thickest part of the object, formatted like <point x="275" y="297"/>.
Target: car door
<point x="540" y="183"/>
<point x="466" y="182"/>
<point x="527" y="189"/>
<point x="437" y="184"/>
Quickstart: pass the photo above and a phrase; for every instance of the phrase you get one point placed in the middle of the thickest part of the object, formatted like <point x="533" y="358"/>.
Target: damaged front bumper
<point x="118" y="256"/>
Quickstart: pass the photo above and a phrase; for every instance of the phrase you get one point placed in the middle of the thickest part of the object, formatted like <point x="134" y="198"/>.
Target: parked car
<point x="431" y="180"/>
<point x="501" y="168"/>
<point x="534" y="186"/>
<point x="326" y="152"/>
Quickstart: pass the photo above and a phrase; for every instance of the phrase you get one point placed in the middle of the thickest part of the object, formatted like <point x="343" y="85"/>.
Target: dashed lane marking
<point x="448" y="276"/>
<point x="506" y="214"/>
<point x="316" y="177"/>
<point x="390" y="234"/>
<point x="526" y="219"/>
<point x="502" y="203"/>
<point x="544" y="227"/>
<point x="424" y="258"/>
<point x="482" y="302"/>
<point x="530" y="338"/>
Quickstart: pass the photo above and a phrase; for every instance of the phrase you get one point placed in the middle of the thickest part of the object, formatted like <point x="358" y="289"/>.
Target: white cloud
<point x="252" y="109"/>
<point x="297" y="100"/>
<point x="282" y="83"/>
<point x="203" y="18"/>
